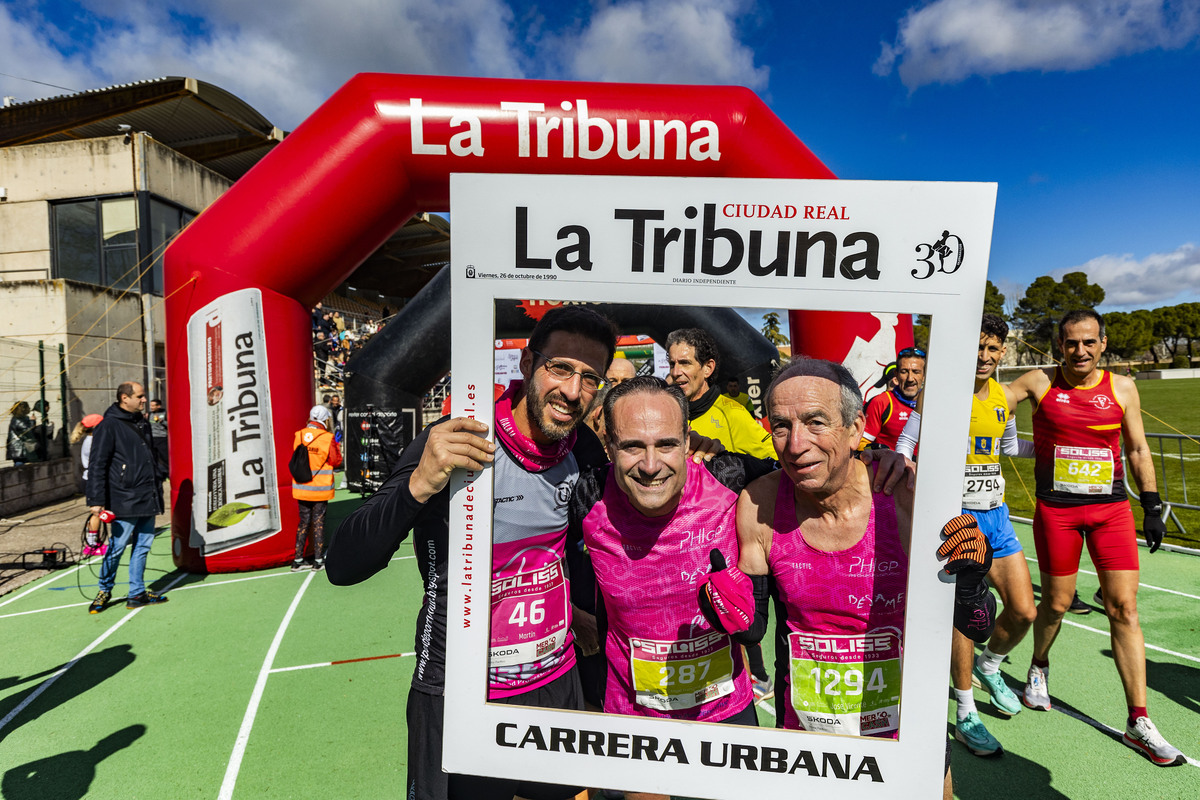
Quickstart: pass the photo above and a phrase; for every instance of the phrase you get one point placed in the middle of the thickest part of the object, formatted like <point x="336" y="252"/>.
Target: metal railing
<point x="1174" y="451"/>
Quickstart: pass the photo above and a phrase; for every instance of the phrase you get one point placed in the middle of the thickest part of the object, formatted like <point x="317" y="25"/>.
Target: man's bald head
<point x="621" y="370"/>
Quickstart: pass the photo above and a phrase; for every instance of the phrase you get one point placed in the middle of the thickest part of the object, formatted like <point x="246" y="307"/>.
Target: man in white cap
<point x="314" y="495"/>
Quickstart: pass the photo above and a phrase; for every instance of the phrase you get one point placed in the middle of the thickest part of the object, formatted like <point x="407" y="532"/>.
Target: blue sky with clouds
<point x="1085" y="112"/>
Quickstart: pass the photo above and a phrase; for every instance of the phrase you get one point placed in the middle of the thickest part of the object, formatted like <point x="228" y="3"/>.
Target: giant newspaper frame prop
<point x="901" y="247"/>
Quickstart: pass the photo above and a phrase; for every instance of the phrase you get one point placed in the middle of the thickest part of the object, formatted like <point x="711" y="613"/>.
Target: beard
<point x="553" y="430"/>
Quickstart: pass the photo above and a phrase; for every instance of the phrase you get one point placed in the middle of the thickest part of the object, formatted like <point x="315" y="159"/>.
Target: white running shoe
<point x="1145" y="738"/>
<point x="1037" y="692"/>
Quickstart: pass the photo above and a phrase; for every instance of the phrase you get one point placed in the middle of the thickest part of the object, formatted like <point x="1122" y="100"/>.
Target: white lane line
<point x="1149" y="646"/>
<point x="347" y="661"/>
<point x="1100" y="726"/>
<point x="202" y="584"/>
<point x="51" y="608"/>
<point x="46" y="581"/>
<point x="1033" y="560"/>
<point x="243" y="737"/>
<point x="49" y="681"/>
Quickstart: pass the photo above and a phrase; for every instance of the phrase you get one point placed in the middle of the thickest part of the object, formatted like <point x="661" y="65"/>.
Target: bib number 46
<point x="536" y="613"/>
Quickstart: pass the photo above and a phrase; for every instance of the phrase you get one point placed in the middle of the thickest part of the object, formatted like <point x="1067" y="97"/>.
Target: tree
<point x="1167" y="325"/>
<point x="1129" y="335"/>
<point x="770" y="329"/>
<point x="1189" y="327"/>
<point x="993" y="301"/>
<point x="921" y="331"/>
<point x="1046" y="301"/>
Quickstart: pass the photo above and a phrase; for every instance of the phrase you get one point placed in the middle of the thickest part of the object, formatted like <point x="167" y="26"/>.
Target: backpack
<point x="299" y="466"/>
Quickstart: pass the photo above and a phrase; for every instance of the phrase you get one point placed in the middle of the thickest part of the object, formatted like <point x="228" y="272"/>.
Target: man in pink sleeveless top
<point x="836" y="552"/>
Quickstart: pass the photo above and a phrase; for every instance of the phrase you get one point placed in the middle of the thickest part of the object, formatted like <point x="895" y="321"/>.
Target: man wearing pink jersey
<point x="649" y="521"/>
<point x="836" y="553"/>
<point x="655" y="523"/>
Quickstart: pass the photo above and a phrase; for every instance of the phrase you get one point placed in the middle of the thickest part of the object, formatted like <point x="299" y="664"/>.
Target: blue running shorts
<point x="997" y="527"/>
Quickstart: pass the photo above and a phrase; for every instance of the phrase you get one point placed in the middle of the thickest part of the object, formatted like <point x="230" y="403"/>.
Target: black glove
<point x="1153" y="526"/>
<point x="970" y="556"/>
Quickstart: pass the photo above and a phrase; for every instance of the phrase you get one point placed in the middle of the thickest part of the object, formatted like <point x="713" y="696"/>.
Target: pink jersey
<point x="844" y="613"/>
<point x="664" y="659"/>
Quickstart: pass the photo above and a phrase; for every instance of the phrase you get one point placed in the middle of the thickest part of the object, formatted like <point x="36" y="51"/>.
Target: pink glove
<point x="727" y="597"/>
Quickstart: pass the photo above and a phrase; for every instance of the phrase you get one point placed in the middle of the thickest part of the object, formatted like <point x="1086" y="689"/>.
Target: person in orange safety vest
<point x="323" y="456"/>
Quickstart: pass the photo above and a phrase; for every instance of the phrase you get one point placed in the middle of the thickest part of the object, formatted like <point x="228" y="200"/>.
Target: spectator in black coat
<point x="124" y="479"/>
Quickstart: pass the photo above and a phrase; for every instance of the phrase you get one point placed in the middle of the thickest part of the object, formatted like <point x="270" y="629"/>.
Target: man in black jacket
<point x="124" y="478"/>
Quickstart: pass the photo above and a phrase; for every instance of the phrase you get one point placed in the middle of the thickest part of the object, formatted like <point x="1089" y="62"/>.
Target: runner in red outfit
<point x="1080" y="415"/>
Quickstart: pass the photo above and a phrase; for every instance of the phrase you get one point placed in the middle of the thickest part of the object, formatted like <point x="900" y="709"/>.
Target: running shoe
<point x="763" y="690"/>
<point x="1078" y="606"/>
<point x="1098" y="598"/>
<point x="972" y="733"/>
<point x="146" y="598"/>
<point x="100" y="603"/>
<point x="1145" y="738"/>
<point x="1037" y="692"/>
<point x="1003" y="699"/>
<point x="318" y="565"/>
<point x="297" y="566"/>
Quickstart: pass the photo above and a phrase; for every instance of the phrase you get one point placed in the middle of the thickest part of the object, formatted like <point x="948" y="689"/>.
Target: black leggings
<point x="312" y="521"/>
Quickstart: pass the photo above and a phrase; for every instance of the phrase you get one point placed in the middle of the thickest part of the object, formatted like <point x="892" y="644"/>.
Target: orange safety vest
<point x="323" y="456"/>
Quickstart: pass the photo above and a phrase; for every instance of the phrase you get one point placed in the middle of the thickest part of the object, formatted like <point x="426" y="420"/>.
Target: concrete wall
<point x="101" y="332"/>
<point x="1168" y="374"/>
<point x="181" y="180"/>
<point x="36" y="485"/>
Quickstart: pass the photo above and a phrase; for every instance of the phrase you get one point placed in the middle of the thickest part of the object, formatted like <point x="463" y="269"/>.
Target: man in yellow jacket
<point x="314" y="496"/>
<point x="693" y="356"/>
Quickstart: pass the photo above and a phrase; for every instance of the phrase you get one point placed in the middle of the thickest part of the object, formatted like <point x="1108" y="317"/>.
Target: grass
<point x="1168" y="407"/>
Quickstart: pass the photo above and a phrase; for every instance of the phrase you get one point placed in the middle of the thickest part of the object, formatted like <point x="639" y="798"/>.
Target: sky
<point x="1086" y="113"/>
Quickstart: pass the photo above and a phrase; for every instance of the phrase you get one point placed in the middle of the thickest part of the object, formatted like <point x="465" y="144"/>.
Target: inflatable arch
<point x="241" y="279"/>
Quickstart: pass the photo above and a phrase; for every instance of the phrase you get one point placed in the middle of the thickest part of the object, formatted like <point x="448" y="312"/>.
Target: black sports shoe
<point x="100" y="603"/>
<point x="1078" y="606"/>
<point x="146" y="598"/>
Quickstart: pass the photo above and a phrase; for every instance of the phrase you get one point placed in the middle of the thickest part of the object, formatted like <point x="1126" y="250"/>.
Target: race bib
<point x="983" y="487"/>
<point x="846" y="684"/>
<point x="1083" y="470"/>
<point x="679" y="674"/>
<point x="530" y="614"/>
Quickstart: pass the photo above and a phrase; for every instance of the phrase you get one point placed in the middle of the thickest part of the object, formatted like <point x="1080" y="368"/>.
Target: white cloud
<point x="947" y="41"/>
<point x="285" y="57"/>
<point x="686" y="41"/>
<point x="1158" y="279"/>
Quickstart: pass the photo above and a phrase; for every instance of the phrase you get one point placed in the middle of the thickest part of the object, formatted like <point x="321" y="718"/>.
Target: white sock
<point x="989" y="662"/>
<point x="966" y="703"/>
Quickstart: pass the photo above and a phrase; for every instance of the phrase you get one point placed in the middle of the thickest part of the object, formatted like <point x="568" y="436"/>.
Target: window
<point x="96" y="241"/>
<point x="165" y="221"/>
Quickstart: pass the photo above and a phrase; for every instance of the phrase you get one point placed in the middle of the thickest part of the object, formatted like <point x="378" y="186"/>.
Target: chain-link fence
<point x="33" y="391"/>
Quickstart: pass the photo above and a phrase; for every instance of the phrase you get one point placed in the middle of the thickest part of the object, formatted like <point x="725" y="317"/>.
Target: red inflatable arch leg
<point x="328" y="196"/>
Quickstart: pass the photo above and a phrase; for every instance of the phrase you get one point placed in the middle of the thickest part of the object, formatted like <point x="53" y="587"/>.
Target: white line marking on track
<point x="43" y="582"/>
<point x="765" y="705"/>
<point x="232" y="580"/>
<point x="331" y="663"/>
<point x="1141" y="585"/>
<point x="51" y="608"/>
<point x="1100" y="726"/>
<point x="243" y="737"/>
<point x="49" y="681"/>
<point x="1148" y="646"/>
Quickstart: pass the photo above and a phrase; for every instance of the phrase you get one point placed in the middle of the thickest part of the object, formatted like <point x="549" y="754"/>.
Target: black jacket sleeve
<point x="368" y="538"/>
